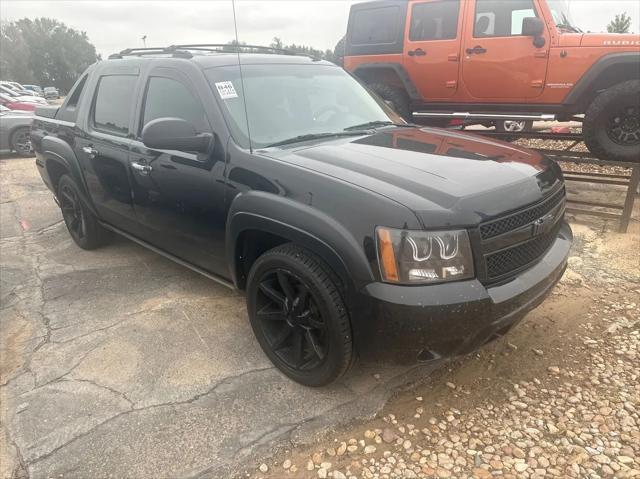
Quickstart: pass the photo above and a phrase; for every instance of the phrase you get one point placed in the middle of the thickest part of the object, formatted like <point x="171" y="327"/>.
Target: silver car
<point x="15" y="131"/>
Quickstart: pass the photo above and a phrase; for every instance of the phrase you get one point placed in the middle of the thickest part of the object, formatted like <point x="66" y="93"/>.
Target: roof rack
<point x="184" y="51"/>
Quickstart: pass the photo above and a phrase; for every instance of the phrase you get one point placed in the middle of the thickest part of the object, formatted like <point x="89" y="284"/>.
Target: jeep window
<point x="112" y="104"/>
<point x="286" y="101"/>
<point x="497" y="18"/>
<point x="167" y="97"/>
<point x="561" y="13"/>
<point x="434" y="20"/>
<point x="375" y="26"/>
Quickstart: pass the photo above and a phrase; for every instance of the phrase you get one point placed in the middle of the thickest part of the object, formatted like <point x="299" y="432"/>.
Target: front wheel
<point x="298" y="315"/>
<point x="611" y="126"/>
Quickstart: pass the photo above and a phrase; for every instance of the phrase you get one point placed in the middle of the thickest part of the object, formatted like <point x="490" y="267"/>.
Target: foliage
<point x="620" y="24"/>
<point x="45" y="52"/>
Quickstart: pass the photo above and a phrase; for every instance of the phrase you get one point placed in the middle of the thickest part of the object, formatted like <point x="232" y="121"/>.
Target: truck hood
<point x="439" y="174"/>
<point x="610" y="40"/>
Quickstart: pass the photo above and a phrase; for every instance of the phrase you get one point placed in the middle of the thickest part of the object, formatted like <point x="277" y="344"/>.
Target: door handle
<point x="418" y="52"/>
<point x="477" y="50"/>
<point x="141" y="167"/>
<point x="90" y="151"/>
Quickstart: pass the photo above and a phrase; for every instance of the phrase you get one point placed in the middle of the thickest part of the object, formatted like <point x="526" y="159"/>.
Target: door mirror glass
<point x="174" y="134"/>
<point x="532" y="27"/>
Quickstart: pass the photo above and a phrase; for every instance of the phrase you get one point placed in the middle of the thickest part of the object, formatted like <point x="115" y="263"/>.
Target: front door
<point x="179" y="195"/>
<point x="498" y="61"/>
<point x="103" y="150"/>
<point x="432" y="48"/>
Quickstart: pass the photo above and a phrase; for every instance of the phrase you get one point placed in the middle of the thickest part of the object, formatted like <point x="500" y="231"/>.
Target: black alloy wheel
<point x="624" y="126"/>
<point x="298" y="315"/>
<point x="291" y="320"/>
<point x="72" y="212"/>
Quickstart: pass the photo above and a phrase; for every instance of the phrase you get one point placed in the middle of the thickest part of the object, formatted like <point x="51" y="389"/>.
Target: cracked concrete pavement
<point x="120" y="363"/>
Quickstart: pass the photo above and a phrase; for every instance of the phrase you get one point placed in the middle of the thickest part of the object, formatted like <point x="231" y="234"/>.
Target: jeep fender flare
<point x="602" y="74"/>
<point x="302" y="224"/>
<point x="58" y="151"/>
<point x="364" y="70"/>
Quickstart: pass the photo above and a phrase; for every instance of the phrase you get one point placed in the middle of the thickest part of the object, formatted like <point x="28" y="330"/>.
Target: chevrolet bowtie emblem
<point x="543" y="225"/>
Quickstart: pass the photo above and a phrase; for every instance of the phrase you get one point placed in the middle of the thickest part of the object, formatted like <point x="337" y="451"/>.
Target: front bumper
<point x="410" y="323"/>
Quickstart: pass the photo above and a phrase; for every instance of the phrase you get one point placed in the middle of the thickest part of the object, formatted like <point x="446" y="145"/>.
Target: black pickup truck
<point x="351" y="232"/>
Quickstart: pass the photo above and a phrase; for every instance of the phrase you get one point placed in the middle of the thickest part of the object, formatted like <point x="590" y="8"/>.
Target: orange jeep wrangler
<point x="496" y="60"/>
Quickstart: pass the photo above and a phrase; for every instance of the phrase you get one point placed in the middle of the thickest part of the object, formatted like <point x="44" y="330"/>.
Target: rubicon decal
<point x="559" y="85"/>
<point x="622" y="42"/>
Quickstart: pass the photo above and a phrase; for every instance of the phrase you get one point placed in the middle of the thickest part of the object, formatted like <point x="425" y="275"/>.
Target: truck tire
<point x="397" y="99"/>
<point x="21" y="141"/>
<point x="611" y="126"/>
<point x="298" y="316"/>
<point x="83" y="226"/>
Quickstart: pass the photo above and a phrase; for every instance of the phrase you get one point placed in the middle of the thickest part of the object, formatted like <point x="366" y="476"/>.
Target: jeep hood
<point x="434" y="171"/>
<point x="610" y="40"/>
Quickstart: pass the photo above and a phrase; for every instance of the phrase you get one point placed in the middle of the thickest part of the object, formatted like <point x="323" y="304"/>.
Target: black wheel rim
<point x="22" y="142"/>
<point x="624" y="126"/>
<point x="291" y="321"/>
<point x="72" y="212"/>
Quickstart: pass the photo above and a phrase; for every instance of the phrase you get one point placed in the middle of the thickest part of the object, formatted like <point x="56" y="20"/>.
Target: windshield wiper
<point x="373" y="124"/>
<point x="313" y="136"/>
<point x="569" y="27"/>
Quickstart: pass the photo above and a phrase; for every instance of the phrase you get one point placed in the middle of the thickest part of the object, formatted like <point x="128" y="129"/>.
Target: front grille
<point x="519" y="256"/>
<point x="520" y="218"/>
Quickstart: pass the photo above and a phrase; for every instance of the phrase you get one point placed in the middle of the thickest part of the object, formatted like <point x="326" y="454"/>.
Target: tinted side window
<point x="170" y="98"/>
<point x="113" y="103"/>
<point x="497" y="18"/>
<point x="434" y="20"/>
<point x="375" y="26"/>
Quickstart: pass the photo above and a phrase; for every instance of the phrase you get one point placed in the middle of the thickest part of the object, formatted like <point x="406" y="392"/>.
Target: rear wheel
<point x="21" y="141"/>
<point x="82" y="224"/>
<point x="298" y="315"/>
<point x="397" y="99"/>
<point x="611" y="126"/>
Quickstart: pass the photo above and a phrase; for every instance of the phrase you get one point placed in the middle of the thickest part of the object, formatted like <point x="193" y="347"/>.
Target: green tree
<point x="44" y="51"/>
<point x="620" y="24"/>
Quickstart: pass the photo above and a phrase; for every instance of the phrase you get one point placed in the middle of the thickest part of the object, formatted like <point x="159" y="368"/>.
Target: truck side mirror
<point x="174" y="134"/>
<point x="534" y="27"/>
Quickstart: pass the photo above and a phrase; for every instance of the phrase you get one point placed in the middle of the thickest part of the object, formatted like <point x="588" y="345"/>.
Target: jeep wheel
<point x="82" y="224"/>
<point x="397" y="99"/>
<point x="611" y="126"/>
<point x="513" y="126"/>
<point x="21" y="141"/>
<point x="298" y="315"/>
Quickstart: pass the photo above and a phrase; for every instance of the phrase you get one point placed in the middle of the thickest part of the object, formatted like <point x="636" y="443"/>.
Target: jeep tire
<point x="397" y="98"/>
<point x="611" y="126"/>
<point x="298" y="315"/>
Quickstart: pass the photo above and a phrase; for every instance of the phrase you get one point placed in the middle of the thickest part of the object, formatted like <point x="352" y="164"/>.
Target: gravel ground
<point x="558" y="397"/>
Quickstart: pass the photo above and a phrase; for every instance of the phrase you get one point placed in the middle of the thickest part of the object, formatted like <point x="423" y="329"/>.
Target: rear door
<point x="432" y="47"/>
<point x="498" y="61"/>
<point x="102" y="146"/>
<point x="180" y="195"/>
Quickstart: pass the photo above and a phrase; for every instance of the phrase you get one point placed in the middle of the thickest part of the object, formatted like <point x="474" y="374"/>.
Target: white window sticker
<point x="226" y="90"/>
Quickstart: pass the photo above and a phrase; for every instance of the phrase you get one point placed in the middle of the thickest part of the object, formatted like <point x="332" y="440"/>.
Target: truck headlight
<point x="418" y="257"/>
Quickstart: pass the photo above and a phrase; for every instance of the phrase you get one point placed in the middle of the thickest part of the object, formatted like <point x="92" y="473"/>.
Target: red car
<point x="16" y="105"/>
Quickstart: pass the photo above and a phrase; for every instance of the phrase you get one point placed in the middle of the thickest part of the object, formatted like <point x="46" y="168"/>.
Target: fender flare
<point x="582" y="90"/>
<point x="58" y="151"/>
<point x="302" y="224"/>
<point x="399" y="70"/>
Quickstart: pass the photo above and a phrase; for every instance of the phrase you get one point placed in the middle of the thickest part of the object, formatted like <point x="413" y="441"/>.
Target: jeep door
<point x="102" y="144"/>
<point x="432" y="47"/>
<point x="179" y="195"/>
<point x="498" y="61"/>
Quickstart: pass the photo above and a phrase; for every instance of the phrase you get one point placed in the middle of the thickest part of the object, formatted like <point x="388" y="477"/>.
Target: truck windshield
<point x="561" y="12"/>
<point x="288" y="102"/>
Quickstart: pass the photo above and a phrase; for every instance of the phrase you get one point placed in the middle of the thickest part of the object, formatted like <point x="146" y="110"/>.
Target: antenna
<point x="244" y="92"/>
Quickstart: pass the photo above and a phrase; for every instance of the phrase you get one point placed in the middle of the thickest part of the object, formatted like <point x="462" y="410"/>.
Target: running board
<point x="484" y="116"/>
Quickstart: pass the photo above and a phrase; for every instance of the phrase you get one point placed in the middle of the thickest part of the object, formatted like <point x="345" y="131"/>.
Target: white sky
<point x="114" y="25"/>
